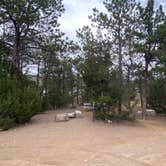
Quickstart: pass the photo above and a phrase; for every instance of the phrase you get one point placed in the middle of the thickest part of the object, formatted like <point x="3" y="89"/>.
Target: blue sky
<point x="77" y="12"/>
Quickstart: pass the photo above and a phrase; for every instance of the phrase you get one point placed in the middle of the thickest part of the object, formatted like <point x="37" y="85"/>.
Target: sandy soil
<point x="80" y="142"/>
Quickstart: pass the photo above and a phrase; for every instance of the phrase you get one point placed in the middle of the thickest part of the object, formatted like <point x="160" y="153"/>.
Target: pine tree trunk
<point x="63" y="81"/>
<point x="45" y="79"/>
<point x="77" y="89"/>
<point x="38" y="74"/>
<point x="71" y="87"/>
<point x="15" y="55"/>
<point x="129" y="89"/>
<point x="72" y="102"/>
<point x="120" y="73"/>
<point x="144" y="91"/>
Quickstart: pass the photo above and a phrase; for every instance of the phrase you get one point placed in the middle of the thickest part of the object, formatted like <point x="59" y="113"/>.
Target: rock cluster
<point x="62" y="117"/>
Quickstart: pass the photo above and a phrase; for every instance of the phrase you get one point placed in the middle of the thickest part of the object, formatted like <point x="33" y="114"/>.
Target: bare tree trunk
<point x="72" y="96"/>
<point x="15" y="55"/>
<point x="77" y="89"/>
<point x="38" y="74"/>
<point x="129" y="88"/>
<point x="72" y="87"/>
<point x="120" y="71"/>
<point x="63" y="80"/>
<point x="141" y="93"/>
<point x="129" y="71"/>
<point x="81" y="90"/>
<point x="144" y="91"/>
<point x="93" y="113"/>
<point x="45" y="79"/>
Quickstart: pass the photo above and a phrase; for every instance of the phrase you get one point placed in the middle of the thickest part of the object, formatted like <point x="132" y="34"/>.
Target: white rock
<point x="61" y="117"/>
<point x="72" y="115"/>
<point x="109" y="121"/>
<point x="150" y="112"/>
<point x="78" y="114"/>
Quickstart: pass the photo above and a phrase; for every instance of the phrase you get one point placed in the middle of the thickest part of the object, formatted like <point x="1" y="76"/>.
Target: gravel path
<point x="81" y="142"/>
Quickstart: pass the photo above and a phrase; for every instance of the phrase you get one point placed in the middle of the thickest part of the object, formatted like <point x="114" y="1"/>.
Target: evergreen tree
<point x="149" y="20"/>
<point x="95" y="63"/>
<point x="23" y="20"/>
<point x="117" y="22"/>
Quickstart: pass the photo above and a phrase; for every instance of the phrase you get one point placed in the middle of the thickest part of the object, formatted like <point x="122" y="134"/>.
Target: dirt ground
<point x="81" y="142"/>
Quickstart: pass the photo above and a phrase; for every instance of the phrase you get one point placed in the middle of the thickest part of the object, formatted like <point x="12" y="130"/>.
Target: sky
<point x="76" y="16"/>
<point x="77" y="12"/>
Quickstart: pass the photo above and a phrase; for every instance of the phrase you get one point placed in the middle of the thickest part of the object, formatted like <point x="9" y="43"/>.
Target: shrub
<point x="17" y="105"/>
<point x="103" y="103"/>
<point x="157" y="95"/>
<point x="104" y="100"/>
<point x="6" y="123"/>
<point x="44" y="103"/>
<point x="114" y="116"/>
<point x="57" y="99"/>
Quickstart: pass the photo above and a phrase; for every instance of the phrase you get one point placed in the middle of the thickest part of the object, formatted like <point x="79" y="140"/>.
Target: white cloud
<point x="77" y="12"/>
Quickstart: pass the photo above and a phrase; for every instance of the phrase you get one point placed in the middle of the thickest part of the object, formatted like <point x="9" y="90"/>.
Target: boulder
<point x="149" y="112"/>
<point x="139" y="113"/>
<point x="78" y="114"/>
<point x="72" y="115"/>
<point x="109" y="121"/>
<point x="61" y="117"/>
<point x="87" y="106"/>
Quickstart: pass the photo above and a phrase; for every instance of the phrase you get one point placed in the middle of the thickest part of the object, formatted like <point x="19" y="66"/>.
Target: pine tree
<point x="117" y="22"/>
<point x="149" y="20"/>
<point x="95" y="53"/>
<point x="22" y="21"/>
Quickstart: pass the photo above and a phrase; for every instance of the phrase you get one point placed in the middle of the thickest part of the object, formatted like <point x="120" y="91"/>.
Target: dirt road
<point x="80" y="142"/>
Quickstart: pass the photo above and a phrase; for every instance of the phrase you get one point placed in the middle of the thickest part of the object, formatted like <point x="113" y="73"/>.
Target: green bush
<point x="157" y="95"/>
<point x="104" y="100"/>
<point x="106" y="103"/>
<point x="6" y="123"/>
<point x="17" y="105"/>
<point x="44" y="103"/>
<point x="102" y="115"/>
<point x="114" y="116"/>
<point x="102" y="103"/>
<point x="57" y="99"/>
